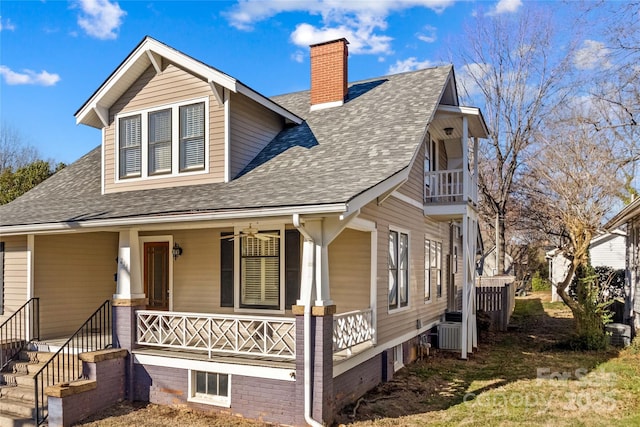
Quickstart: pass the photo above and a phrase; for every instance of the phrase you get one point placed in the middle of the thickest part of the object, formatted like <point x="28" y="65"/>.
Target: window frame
<point x="398" y="306"/>
<point x="176" y="171"/>
<point x="243" y="308"/>
<point x="205" y="398"/>
<point x="120" y="149"/>
<point x="427" y="270"/>
<point x="151" y="172"/>
<point x="436" y="265"/>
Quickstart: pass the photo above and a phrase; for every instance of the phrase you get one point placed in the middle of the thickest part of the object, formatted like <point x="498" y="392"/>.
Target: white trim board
<point x="360" y="358"/>
<point x="282" y="374"/>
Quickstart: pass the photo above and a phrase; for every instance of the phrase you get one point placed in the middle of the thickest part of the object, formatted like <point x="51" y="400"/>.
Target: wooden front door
<point x="156" y="274"/>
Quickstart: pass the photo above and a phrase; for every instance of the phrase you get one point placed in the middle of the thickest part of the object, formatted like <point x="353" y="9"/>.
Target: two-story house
<point x="275" y="257"/>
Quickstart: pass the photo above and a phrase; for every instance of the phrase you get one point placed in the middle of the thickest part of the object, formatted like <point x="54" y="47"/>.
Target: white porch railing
<point x="351" y="329"/>
<point x="444" y="186"/>
<point x="247" y="335"/>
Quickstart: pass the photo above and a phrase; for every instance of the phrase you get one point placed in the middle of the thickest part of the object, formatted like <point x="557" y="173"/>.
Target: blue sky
<point x="55" y="54"/>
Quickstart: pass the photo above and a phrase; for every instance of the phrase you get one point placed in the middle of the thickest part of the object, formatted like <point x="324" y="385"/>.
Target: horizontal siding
<point x="196" y="274"/>
<point x="350" y="271"/>
<point x="414" y="187"/>
<point x="394" y="212"/>
<point x="609" y="253"/>
<point x="252" y="127"/>
<point x="15" y="274"/>
<point x="73" y="275"/>
<point x="151" y="90"/>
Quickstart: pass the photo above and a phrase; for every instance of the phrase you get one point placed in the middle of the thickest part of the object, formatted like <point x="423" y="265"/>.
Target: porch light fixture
<point x="176" y="251"/>
<point x="448" y="131"/>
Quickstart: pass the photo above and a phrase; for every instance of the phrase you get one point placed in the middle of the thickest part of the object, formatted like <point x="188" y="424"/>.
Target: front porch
<point x="249" y="339"/>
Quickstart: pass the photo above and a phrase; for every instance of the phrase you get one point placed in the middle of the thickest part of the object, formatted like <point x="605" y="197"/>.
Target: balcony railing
<point x="351" y="329"/>
<point x="245" y="335"/>
<point x="447" y="186"/>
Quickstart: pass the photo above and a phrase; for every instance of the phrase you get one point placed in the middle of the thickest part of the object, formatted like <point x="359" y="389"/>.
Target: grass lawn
<point x="520" y="377"/>
<point x="515" y="378"/>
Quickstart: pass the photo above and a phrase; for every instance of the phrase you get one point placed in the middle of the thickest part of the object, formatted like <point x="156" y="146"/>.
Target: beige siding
<point x="15" y="274"/>
<point x="443" y="160"/>
<point x="252" y="127"/>
<point x="196" y="274"/>
<point x="350" y="270"/>
<point x="400" y="215"/>
<point x="156" y="90"/>
<point x="74" y="274"/>
<point x="414" y="187"/>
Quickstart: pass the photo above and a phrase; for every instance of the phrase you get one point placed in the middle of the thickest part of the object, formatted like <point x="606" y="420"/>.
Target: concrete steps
<point x="17" y="391"/>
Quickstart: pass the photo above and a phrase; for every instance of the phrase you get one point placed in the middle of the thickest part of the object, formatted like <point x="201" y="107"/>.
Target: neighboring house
<point x="274" y="256"/>
<point x="489" y="263"/>
<point x="605" y="250"/>
<point x="629" y="217"/>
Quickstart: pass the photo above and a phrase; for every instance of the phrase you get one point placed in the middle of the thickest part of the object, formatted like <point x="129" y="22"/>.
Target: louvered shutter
<point x="192" y="136"/>
<point x="226" y="271"/>
<point x="292" y="267"/>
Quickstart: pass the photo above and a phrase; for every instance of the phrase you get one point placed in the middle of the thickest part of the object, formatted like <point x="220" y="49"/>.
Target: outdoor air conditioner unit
<point x="449" y="336"/>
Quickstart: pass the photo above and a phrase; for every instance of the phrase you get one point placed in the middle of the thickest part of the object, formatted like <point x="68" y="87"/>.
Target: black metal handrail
<point x="64" y="365"/>
<point x="18" y="329"/>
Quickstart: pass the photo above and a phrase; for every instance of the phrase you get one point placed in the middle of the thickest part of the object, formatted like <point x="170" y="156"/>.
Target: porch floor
<point x="236" y="359"/>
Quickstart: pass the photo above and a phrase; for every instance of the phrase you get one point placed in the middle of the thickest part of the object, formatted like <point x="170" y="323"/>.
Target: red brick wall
<point x="329" y="72"/>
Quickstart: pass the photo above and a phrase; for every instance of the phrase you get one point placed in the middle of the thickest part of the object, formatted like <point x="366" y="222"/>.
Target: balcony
<point x="448" y="192"/>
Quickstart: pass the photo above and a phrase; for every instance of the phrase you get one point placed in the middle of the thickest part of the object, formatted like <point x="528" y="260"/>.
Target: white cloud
<point x="6" y="25"/>
<point x="469" y="74"/>
<point x="593" y="54"/>
<point x="429" y="36"/>
<point x="360" y="22"/>
<point x="100" y="18"/>
<point x="409" y="64"/>
<point x="298" y="56"/>
<point x="506" y="6"/>
<point x="28" y="77"/>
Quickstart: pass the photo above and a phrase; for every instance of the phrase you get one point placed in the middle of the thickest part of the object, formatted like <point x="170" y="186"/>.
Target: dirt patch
<point x="126" y="414"/>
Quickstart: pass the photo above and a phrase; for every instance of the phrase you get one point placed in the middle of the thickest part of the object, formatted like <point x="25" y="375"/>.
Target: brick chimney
<point x="329" y="74"/>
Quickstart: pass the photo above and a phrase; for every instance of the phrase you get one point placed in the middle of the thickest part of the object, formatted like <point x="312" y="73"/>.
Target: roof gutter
<point x="624" y="215"/>
<point x="335" y="208"/>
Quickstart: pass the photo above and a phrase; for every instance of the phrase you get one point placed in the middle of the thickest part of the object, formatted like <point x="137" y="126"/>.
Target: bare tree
<point x="15" y="152"/>
<point x="513" y="67"/>
<point x="574" y="184"/>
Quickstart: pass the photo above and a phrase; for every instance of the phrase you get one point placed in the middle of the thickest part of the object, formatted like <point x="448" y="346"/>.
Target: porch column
<point x="128" y="299"/>
<point x="129" y="285"/>
<point x="469" y="332"/>
<point x="466" y="195"/>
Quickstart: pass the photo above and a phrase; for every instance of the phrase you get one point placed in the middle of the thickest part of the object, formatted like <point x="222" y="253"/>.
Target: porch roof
<point x="335" y="155"/>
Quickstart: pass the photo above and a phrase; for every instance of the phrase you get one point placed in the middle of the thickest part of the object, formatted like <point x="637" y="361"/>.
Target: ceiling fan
<point x="251" y="232"/>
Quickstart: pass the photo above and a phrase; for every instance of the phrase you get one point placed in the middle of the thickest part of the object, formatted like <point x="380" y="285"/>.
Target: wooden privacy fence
<point x="498" y="302"/>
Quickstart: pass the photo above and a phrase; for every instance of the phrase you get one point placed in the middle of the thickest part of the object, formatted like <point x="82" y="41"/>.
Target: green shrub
<point x="539" y="284"/>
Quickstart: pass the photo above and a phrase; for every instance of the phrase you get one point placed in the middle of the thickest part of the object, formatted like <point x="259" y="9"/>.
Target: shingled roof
<point x="335" y="155"/>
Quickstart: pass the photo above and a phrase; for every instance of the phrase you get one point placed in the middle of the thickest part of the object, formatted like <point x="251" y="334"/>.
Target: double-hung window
<point x="160" y="142"/>
<point x="398" y="269"/>
<point x="260" y="271"/>
<point x="435" y="266"/>
<point x="130" y="146"/>
<point x="192" y="137"/>
<point x="427" y="270"/>
<point x="170" y="140"/>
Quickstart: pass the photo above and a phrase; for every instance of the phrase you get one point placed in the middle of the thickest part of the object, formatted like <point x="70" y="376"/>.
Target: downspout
<point x="307" y="281"/>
